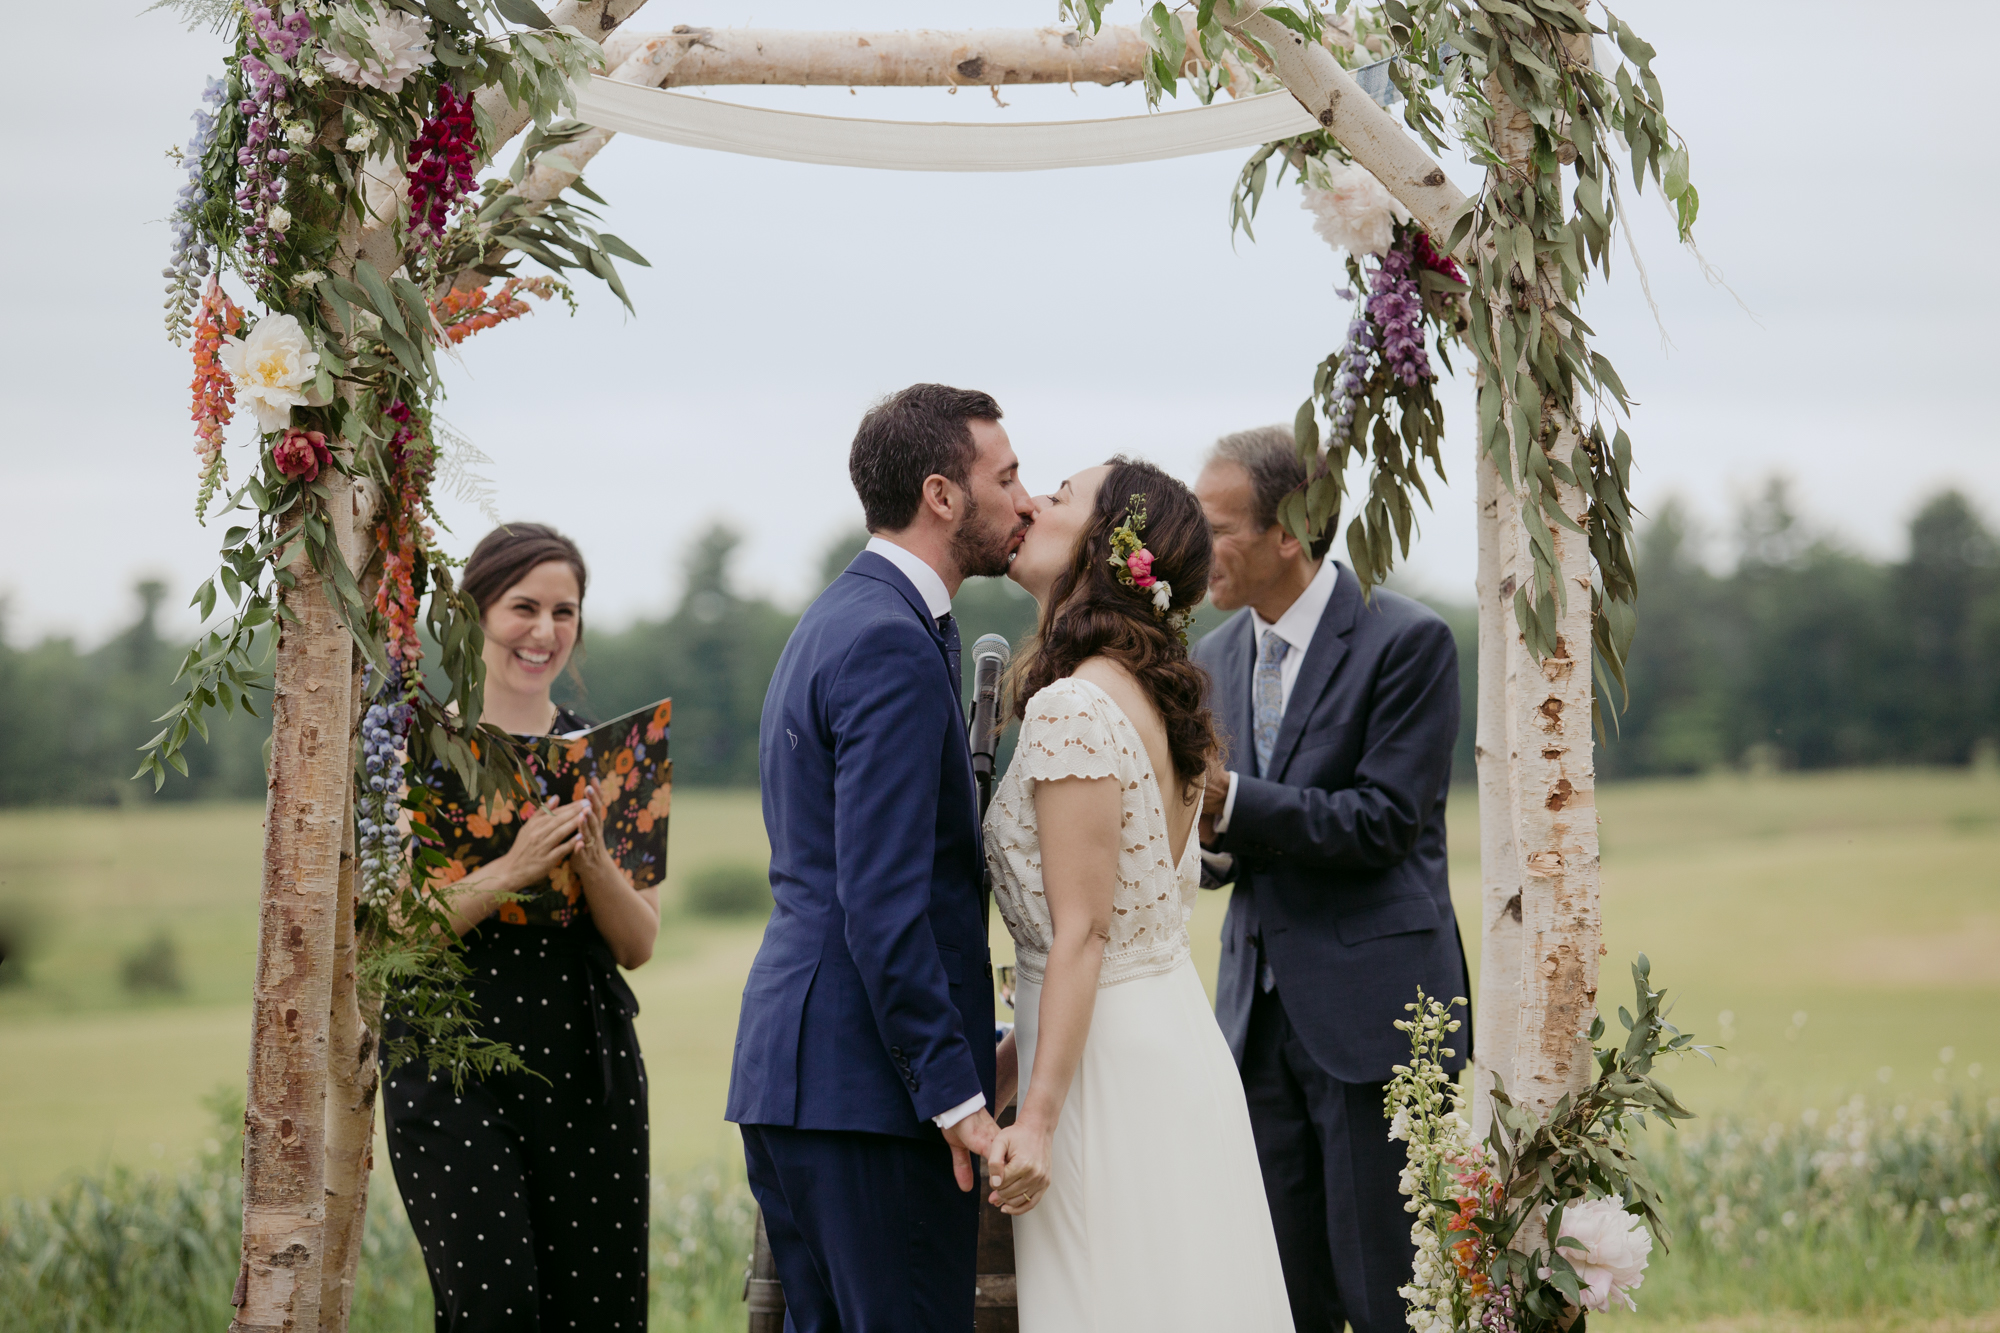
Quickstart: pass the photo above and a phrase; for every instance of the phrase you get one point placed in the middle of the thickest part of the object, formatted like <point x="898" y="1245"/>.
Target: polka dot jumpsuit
<point x="528" y="1191"/>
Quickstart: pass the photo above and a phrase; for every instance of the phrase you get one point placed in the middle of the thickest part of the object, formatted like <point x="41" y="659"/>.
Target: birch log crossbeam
<point x="924" y="58"/>
<point x="1330" y="94"/>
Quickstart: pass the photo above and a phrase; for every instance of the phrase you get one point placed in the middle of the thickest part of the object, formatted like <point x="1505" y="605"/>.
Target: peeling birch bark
<point x="284" y="1118"/>
<point x="924" y="58"/>
<point x="1330" y="94"/>
<point x="353" y="1072"/>
<point x="1550" y="761"/>
<point x="1497" y="1011"/>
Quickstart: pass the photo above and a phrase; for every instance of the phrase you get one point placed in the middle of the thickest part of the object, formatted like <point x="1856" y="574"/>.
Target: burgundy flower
<point x="302" y="453"/>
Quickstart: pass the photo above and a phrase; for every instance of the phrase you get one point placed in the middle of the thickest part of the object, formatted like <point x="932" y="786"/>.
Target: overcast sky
<point x="1844" y="174"/>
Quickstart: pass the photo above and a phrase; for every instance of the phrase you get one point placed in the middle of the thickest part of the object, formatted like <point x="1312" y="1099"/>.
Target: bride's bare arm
<point x="1079" y="821"/>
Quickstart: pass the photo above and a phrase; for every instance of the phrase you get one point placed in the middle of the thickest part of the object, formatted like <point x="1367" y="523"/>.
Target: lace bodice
<point x="1073" y="730"/>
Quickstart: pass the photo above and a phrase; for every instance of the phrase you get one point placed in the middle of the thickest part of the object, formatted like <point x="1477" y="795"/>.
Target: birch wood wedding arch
<point x="313" y="1069"/>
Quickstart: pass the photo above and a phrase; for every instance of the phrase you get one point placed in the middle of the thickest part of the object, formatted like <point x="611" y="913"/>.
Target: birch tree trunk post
<point x="284" y="1117"/>
<point x="1499" y="1000"/>
<point x="353" y="1072"/>
<point x="1549" y="747"/>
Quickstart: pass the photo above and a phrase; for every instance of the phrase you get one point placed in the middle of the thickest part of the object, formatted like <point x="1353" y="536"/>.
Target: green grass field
<point x="1849" y="924"/>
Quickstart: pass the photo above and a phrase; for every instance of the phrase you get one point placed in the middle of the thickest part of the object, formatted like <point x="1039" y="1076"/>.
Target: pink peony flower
<point x="1616" y="1250"/>
<point x="302" y="453"/>
<point x="1354" y="212"/>
<point x="1139" y="565"/>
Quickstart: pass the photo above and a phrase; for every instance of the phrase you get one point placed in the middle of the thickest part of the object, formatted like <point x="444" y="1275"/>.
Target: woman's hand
<point x="541" y="845"/>
<point x="1017" y="1167"/>
<point x="588" y="846"/>
<point x="627" y="917"/>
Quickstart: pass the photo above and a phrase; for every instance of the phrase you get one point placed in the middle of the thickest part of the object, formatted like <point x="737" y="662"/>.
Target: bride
<point x="1130" y="1171"/>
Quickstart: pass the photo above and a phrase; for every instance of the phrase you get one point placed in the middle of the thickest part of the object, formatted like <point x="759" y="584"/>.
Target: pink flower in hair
<point x="1140" y="565"/>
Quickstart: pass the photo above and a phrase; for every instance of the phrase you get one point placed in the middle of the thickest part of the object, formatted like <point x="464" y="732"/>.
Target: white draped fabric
<point x="902" y="145"/>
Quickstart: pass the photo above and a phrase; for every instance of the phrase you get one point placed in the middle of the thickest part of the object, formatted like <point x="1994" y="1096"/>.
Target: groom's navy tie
<point x="948" y="626"/>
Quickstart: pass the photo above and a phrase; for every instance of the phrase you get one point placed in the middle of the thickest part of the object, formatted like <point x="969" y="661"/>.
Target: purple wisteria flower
<point x="1357" y="360"/>
<point x="275" y="42"/>
<point x="385" y="736"/>
<point x="189" y="264"/>
<point x="1397" y="307"/>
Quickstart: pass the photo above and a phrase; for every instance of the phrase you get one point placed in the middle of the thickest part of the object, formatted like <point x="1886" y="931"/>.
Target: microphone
<point x="989" y="656"/>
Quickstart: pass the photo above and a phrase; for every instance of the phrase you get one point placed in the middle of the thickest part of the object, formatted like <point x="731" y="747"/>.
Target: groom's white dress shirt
<point x="1296" y="627"/>
<point x="926" y="580"/>
<point x="937" y="600"/>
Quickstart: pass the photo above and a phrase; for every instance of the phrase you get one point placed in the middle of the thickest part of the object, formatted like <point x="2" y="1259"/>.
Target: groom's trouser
<point x="1330" y="1174"/>
<point x="870" y="1232"/>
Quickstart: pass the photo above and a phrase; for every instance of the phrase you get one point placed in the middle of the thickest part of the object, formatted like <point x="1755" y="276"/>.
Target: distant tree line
<point x="1798" y="654"/>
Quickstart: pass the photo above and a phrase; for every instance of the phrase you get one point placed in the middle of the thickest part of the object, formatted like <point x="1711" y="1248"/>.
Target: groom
<point x="1342" y="713"/>
<point x="864" y="1059"/>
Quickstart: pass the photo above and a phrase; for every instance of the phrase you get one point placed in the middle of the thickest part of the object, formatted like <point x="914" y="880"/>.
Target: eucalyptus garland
<point x="1525" y="253"/>
<point x="333" y="174"/>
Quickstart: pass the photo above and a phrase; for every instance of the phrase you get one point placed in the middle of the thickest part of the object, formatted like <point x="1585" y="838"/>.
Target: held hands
<point x="1017" y="1167"/>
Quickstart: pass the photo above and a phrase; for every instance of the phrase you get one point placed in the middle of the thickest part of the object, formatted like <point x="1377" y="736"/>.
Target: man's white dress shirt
<point x="937" y="600"/>
<point x="1296" y="627"/>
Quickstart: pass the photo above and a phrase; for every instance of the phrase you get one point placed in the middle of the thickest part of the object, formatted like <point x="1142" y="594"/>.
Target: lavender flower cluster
<point x="1356" y="362"/>
<point x="385" y="734"/>
<point x="1397" y="307"/>
<point x="260" y="192"/>
<point x="1389" y="328"/>
<point x="189" y="264"/>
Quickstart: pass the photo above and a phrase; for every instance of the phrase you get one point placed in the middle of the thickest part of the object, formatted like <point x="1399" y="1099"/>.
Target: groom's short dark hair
<point x="908" y="436"/>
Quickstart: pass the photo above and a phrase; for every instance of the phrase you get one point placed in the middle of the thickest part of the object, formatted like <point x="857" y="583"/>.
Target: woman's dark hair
<point x="1092" y="614"/>
<point x="919" y="432"/>
<point x="505" y="555"/>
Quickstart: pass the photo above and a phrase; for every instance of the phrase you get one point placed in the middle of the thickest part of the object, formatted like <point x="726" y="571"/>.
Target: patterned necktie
<point x="948" y="626"/>
<point x="1267" y="691"/>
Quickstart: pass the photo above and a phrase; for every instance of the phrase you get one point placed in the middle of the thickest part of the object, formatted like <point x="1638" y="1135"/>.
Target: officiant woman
<point x="528" y="1190"/>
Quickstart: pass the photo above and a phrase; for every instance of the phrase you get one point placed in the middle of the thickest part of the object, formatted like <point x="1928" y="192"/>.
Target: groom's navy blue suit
<point x="869" y="1008"/>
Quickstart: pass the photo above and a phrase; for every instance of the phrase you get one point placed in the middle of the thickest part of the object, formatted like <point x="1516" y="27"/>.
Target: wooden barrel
<point x="761" y="1291"/>
<point x="993" y="1306"/>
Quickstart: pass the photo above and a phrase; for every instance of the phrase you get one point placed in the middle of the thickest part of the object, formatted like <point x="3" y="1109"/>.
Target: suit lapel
<point x="1323" y="657"/>
<point x="872" y="566"/>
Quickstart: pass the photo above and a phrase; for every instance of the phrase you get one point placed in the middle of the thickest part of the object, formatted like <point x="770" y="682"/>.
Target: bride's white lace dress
<point x="1155" y="1216"/>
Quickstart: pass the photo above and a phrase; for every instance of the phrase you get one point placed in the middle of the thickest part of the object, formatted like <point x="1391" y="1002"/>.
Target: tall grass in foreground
<point x="1870" y="1211"/>
<point x="1876" y="1209"/>
<point x="141" y="1252"/>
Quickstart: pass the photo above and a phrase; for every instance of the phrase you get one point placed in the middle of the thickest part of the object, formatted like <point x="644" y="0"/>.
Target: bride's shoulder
<point x="1065" y="733"/>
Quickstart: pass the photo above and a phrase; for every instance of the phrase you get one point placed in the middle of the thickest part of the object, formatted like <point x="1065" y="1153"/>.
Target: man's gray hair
<point x="1269" y="456"/>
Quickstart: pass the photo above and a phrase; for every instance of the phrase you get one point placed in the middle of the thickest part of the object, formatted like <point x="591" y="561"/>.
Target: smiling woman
<point x="548" y="914"/>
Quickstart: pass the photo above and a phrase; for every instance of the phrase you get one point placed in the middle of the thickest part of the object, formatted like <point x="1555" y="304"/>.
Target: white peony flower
<point x="1163" y="594"/>
<point x="270" y="369"/>
<point x="1354" y="213"/>
<point x="1616" y="1249"/>
<point x="399" y="46"/>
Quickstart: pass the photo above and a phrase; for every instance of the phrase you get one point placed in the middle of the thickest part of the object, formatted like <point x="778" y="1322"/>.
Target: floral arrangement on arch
<point x="333" y="183"/>
<point x="1485" y="1213"/>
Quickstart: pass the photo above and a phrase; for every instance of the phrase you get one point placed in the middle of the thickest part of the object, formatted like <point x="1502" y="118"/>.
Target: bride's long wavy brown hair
<point x="1092" y="614"/>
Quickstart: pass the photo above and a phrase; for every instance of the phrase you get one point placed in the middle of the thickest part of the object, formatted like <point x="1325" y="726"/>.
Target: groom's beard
<point x="979" y="550"/>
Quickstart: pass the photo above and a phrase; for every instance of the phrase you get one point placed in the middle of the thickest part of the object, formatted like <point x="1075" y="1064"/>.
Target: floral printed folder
<point x="626" y="758"/>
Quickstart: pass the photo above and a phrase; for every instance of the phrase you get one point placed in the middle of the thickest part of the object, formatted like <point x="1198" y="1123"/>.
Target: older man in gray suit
<point x="1329" y="818"/>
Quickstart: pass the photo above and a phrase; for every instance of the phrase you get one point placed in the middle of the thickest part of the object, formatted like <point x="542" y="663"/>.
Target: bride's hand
<point x="1017" y="1168"/>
